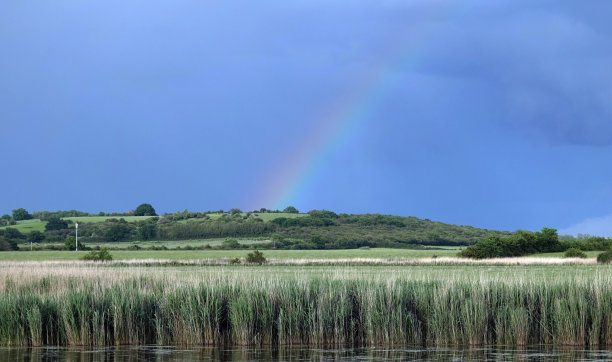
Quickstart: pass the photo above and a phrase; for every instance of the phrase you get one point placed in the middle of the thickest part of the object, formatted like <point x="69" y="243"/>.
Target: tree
<point x="145" y="210"/>
<point x="21" y="214"/>
<point x="36" y="237"/>
<point x="55" y="223"/>
<point x="147" y="231"/>
<point x="70" y="244"/>
<point x="118" y="232"/>
<point x="7" y="245"/>
<point x="12" y="233"/>
<point x="235" y="211"/>
<point x="547" y="240"/>
<point x="256" y="257"/>
<point x="230" y="243"/>
<point x="291" y="210"/>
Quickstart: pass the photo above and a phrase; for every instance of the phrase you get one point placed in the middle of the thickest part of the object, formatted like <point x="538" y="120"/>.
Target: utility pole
<point x="77" y="236"/>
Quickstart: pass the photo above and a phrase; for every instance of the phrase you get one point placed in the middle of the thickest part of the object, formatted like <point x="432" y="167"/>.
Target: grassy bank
<point x="220" y="254"/>
<point x="88" y="304"/>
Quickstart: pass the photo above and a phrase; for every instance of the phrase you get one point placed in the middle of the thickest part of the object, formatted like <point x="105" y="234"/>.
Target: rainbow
<point x="344" y="119"/>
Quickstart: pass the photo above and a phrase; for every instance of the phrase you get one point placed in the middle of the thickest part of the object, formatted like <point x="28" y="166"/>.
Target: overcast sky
<point x="496" y="114"/>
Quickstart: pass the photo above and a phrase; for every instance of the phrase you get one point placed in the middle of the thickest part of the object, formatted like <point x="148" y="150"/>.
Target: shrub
<point x="98" y="255"/>
<point x="574" y="253"/>
<point x="230" y="243"/>
<point x="55" y="223"/>
<point x="235" y="261"/>
<point x="605" y="257"/>
<point x="256" y="257"/>
<point x="70" y="244"/>
<point x="7" y="245"/>
<point x="36" y="236"/>
<point x="119" y="231"/>
<point x="12" y="233"/>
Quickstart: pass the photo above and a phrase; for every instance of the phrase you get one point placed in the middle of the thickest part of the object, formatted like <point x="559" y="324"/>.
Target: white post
<point x="77" y="236"/>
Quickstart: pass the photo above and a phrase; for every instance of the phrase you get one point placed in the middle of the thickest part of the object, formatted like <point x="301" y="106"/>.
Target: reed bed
<point x="93" y="304"/>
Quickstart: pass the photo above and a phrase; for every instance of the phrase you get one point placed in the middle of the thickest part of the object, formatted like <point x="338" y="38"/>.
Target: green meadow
<point x="377" y="253"/>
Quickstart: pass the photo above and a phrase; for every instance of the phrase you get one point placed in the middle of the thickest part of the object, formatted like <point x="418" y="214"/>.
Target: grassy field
<point x="170" y="244"/>
<point x="26" y="226"/>
<point x="265" y="216"/>
<point x="86" y="219"/>
<point x="218" y="254"/>
<point x="84" y="303"/>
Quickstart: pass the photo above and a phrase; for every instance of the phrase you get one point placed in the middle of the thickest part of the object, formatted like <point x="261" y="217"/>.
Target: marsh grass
<point x="88" y="304"/>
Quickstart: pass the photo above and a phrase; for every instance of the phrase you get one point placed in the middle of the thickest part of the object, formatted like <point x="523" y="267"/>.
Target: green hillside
<point x="318" y="229"/>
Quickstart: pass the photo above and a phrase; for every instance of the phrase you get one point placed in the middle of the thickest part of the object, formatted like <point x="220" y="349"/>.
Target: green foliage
<point x="337" y="231"/>
<point x="7" y="245"/>
<point x="256" y="257"/>
<point x="98" y="255"/>
<point x="322" y="214"/>
<point x="70" y="243"/>
<point x="605" y="257"/>
<point x="491" y="247"/>
<point x="55" y="223"/>
<point x="118" y="231"/>
<point x="574" y="253"/>
<point x="230" y="243"/>
<point x="291" y="210"/>
<point x="46" y="215"/>
<point x="591" y="243"/>
<point x="145" y="210"/>
<point x="235" y="211"/>
<point x="519" y="244"/>
<point x="35" y="237"/>
<point x="21" y="214"/>
<point x="147" y="231"/>
<point x="12" y="233"/>
<point x="234" y="261"/>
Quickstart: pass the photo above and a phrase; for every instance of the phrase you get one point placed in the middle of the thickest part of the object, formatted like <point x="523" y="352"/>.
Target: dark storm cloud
<point x="552" y="67"/>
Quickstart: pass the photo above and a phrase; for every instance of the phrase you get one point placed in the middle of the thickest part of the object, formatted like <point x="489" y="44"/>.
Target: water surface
<point x="407" y="353"/>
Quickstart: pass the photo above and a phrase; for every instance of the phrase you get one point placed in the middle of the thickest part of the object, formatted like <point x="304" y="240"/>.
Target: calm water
<point x="161" y="353"/>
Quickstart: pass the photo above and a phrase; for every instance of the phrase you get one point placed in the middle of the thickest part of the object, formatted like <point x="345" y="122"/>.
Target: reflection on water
<point x="173" y="353"/>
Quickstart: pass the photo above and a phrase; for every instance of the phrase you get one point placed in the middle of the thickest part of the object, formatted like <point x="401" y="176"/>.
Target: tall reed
<point x="317" y="311"/>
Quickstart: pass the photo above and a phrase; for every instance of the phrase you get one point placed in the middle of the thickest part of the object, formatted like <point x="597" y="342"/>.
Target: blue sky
<point x="499" y="113"/>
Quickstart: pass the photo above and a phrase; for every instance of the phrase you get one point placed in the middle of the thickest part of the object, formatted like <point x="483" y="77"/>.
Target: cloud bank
<point x="600" y="226"/>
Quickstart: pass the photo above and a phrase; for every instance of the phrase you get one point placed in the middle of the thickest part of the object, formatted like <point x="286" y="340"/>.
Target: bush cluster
<point x="519" y="244"/>
<point x="574" y="253"/>
<point x="605" y="257"/>
<point x="98" y="255"/>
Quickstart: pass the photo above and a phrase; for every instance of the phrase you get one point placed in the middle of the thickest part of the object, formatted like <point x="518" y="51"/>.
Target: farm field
<point x="170" y="244"/>
<point x="378" y="253"/>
